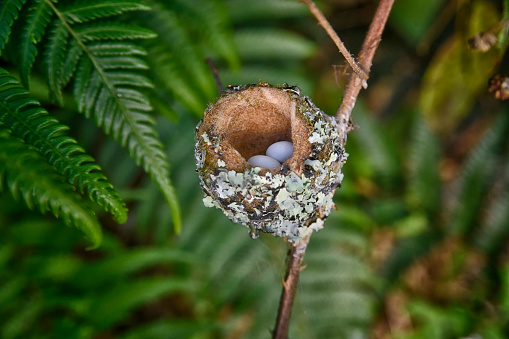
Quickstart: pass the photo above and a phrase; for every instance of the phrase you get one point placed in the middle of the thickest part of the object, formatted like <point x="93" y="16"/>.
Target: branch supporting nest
<point x="295" y="257"/>
<point x="358" y="79"/>
<point x="369" y="47"/>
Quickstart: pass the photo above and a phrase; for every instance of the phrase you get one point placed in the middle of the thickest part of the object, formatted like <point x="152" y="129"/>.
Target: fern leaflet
<point x="9" y="10"/>
<point x="475" y="178"/>
<point x="27" y="175"/>
<point x="54" y="59"/>
<point x="111" y="31"/>
<point x="424" y="190"/>
<point x="38" y="19"/>
<point x="31" y="123"/>
<point x="83" y="11"/>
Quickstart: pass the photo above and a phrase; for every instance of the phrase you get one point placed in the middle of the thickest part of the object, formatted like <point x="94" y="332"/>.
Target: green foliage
<point x="416" y="249"/>
<point x="9" y="12"/>
<point x="31" y="123"/>
<point x="39" y="14"/>
<point x="476" y="177"/>
<point x="20" y="171"/>
<point x="100" y="56"/>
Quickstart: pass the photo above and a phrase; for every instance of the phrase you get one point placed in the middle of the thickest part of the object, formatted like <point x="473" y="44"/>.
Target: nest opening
<point x="252" y="119"/>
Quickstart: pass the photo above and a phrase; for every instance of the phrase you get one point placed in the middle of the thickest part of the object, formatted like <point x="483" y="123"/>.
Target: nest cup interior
<point x="252" y="119"/>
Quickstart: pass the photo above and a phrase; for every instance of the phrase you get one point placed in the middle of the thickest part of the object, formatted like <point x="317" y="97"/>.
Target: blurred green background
<point x="417" y="248"/>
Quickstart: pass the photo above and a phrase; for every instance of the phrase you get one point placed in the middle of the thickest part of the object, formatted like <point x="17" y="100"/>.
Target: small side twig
<point x="213" y="69"/>
<point x="369" y="47"/>
<point x="295" y="258"/>
<point x="335" y="38"/>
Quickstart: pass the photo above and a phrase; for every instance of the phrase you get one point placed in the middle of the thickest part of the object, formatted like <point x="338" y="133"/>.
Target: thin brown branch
<point x="373" y="38"/>
<point x="213" y="69"/>
<point x="295" y="258"/>
<point x="335" y="38"/>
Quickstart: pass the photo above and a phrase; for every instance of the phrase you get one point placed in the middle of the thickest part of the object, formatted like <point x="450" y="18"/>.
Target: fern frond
<point x="475" y="177"/>
<point x="103" y="85"/>
<point x="54" y="59"/>
<point x="9" y="11"/>
<point x="28" y="176"/>
<point x="111" y="31"/>
<point x="495" y="231"/>
<point x="121" y="62"/>
<point x="210" y="20"/>
<point x="31" y="123"/>
<point x="38" y="18"/>
<point x="267" y="43"/>
<point x="177" y="53"/>
<point x="122" y="112"/>
<point x="115" y="305"/>
<point x="371" y="138"/>
<point x="104" y="48"/>
<point x="248" y="11"/>
<point x="73" y="54"/>
<point x="82" y="11"/>
<point x="424" y="181"/>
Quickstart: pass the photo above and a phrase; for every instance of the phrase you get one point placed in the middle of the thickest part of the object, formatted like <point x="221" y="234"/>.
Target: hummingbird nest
<point x="289" y="199"/>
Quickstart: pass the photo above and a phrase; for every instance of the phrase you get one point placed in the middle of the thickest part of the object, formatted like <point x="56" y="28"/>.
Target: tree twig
<point x="295" y="258"/>
<point x="373" y="38"/>
<point x="357" y="80"/>
<point x="335" y="38"/>
<point x="213" y="69"/>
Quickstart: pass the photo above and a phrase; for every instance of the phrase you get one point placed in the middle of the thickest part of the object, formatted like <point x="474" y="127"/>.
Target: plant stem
<point x="213" y="69"/>
<point x="295" y="257"/>
<point x="335" y="38"/>
<point x="373" y="38"/>
<point x="357" y="80"/>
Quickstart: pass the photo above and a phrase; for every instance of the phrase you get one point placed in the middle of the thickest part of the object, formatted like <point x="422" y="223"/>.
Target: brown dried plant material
<point x="289" y="201"/>
<point x="482" y="42"/>
<point x="499" y="85"/>
<point x="396" y="318"/>
<point x="448" y="273"/>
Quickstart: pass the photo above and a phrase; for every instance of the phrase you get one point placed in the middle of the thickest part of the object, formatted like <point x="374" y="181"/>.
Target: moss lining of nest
<point x="289" y="201"/>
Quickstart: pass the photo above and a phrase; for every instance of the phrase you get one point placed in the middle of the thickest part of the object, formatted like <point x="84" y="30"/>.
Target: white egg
<point x="281" y="150"/>
<point x="263" y="161"/>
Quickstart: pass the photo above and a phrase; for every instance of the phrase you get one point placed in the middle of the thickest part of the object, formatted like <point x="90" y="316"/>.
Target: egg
<point x="281" y="151"/>
<point x="264" y="162"/>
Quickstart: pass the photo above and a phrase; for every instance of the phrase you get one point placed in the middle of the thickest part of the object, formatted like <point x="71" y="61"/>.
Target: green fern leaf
<point x="70" y="64"/>
<point x="37" y="20"/>
<point x="475" y="178"/>
<point x="424" y="181"/>
<point x="121" y="61"/>
<point x="27" y="121"/>
<point x="129" y="79"/>
<point x="177" y="52"/>
<point x="28" y="176"/>
<point x="9" y="10"/>
<point x="111" y="31"/>
<point x="55" y="58"/>
<point x="268" y="43"/>
<point x="179" y="329"/>
<point x="115" y="305"/>
<point x="210" y="20"/>
<point x="105" y="48"/>
<point x="82" y="11"/>
<point x="244" y="11"/>
<point x="122" y="112"/>
<point x="371" y="137"/>
<point x="495" y="232"/>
